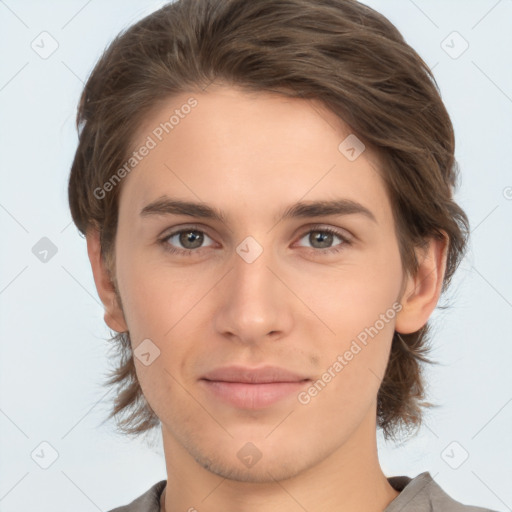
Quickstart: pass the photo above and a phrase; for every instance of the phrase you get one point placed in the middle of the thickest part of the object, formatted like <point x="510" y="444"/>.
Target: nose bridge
<point x="252" y="303"/>
<point x="252" y="279"/>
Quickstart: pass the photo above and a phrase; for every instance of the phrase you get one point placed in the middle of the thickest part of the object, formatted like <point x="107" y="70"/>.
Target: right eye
<point x="190" y="240"/>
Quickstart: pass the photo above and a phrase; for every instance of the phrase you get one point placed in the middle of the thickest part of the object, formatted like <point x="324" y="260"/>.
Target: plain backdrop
<point x="54" y="352"/>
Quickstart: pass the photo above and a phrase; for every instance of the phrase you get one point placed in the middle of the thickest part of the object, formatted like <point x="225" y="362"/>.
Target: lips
<point x="252" y="388"/>
<point x="261" y="375"/>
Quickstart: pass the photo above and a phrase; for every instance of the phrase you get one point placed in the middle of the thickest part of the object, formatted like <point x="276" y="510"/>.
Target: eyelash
<point x="191" y="252"/>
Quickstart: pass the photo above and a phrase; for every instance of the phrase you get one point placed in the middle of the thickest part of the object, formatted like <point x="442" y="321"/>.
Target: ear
<point x="113" y="316"/>
<point x="422" y="291"/>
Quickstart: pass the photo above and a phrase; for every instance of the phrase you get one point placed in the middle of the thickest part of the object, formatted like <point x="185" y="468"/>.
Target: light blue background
<point x="53" y="349"/>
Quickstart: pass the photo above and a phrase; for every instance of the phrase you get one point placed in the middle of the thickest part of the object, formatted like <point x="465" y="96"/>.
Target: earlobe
<point x="113" y="316"/>
<point x="422" y="291"/>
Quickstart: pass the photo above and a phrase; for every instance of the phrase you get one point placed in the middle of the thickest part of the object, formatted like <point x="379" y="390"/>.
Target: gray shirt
<point x="420" y="494"/>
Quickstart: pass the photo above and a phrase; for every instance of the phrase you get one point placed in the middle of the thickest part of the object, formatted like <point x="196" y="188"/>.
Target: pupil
<point x="194" y="238"/>
<point x="325" y="239"/>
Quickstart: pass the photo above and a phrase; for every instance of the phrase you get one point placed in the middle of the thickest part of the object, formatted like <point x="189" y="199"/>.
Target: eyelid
<point x="206" y="230"/>
<point x="186" y="227"/>
<point x="304" y="230"/>
<point x="340" y="232"/>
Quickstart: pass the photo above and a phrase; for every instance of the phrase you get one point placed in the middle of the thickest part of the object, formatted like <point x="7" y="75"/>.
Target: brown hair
<point x="340" y="52"/>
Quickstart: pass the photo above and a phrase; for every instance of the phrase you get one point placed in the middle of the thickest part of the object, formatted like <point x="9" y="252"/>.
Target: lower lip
<point x="253" y="396"/>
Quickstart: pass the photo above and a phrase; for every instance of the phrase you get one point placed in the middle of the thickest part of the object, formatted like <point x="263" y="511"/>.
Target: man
<point x="266" y="189"/>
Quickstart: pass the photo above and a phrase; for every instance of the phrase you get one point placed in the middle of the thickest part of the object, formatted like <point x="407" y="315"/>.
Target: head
<point x="248" y="108"/>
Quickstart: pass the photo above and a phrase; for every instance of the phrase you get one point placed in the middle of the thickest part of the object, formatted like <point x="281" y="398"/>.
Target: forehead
<point x="258" y="147"/>
<point x="226" y="114"/>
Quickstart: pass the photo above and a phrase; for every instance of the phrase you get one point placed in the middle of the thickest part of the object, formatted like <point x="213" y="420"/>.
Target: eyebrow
<point x="167" y="206"/>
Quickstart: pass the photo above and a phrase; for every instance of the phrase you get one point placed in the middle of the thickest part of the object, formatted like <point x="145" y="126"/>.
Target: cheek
<point x="352" y="371"/>
<point x="154" y="298"/>
<point x="358" y="303"/>
<point x="161" y="305"/>
<point x="355" y="295"/>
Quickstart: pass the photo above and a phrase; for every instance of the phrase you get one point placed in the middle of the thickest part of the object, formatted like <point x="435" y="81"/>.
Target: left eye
<point x="323" y="238"/>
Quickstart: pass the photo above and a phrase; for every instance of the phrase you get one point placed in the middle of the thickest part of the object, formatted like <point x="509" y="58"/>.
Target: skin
<point x="296" y="306"/>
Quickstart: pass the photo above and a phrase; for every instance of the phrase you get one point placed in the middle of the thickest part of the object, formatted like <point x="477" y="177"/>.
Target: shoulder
<point x="423" y="493"/>
<point x="147" y="502"/>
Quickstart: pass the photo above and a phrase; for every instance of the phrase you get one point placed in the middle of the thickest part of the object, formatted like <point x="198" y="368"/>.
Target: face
<point x="262" y="328"/>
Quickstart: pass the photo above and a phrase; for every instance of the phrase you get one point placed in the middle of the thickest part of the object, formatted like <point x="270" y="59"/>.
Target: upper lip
<point x="261" y="375"/>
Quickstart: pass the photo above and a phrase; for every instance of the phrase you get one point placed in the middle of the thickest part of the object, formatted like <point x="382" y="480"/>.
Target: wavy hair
<point x="340" y="52"/>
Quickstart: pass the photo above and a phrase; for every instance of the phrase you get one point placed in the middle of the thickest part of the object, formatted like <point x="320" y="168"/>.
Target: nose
<point x="253" y="304"/>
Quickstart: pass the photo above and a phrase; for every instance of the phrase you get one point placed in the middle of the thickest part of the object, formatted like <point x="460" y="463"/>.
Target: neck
<point x="348" y="480"/>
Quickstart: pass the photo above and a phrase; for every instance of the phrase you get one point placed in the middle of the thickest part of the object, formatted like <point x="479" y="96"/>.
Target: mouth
<point x="253" y="388"/>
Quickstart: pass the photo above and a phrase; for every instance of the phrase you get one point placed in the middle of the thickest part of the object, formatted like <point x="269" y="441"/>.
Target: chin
<point x="264" y="471"/>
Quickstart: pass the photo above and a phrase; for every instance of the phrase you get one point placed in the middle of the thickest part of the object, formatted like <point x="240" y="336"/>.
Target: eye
<point x="322" y="239"/>
<point x="188" y="241"/>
